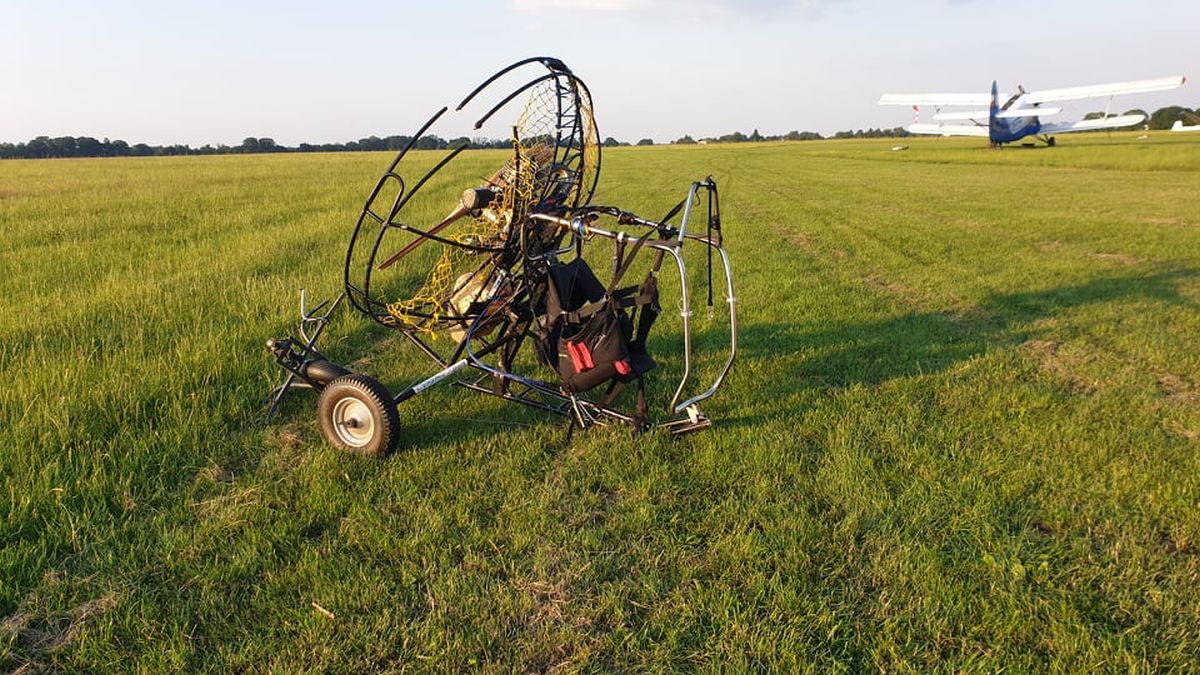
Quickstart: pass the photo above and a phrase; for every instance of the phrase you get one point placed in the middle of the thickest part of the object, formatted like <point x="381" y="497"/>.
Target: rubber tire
<point x="372" y="396"/>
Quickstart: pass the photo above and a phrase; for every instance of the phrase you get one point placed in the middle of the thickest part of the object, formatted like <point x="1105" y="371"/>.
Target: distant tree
<point x="396" y="142"/>
<point x="1164" y="118"/>
<point x="38" y="147"/>
<point x="685" y="140"/>
<point x="64" y="146"/>
<point x="372" y="143"/>
<point x="429" y="143"/>
<point x="646" y="141"/>
<point x="756" y="136"/>
<point x="86" y="146"/>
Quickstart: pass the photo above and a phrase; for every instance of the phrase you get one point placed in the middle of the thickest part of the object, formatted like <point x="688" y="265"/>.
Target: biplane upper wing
<point x="1037" y="97"/>
<point x="1102" y="90"/>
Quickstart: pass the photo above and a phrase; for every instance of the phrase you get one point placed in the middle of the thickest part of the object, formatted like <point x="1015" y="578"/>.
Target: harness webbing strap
<point x="637" y="245"/>
<point x="674" y="210"/>
<point x="618" y="253"/>
<point x="614" y="388"/>
<point x="641" y="411"/>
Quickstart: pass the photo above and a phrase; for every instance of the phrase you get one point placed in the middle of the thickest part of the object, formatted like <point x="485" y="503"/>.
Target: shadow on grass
<point x="874" y="352"/>
<point x="868" y="352"/>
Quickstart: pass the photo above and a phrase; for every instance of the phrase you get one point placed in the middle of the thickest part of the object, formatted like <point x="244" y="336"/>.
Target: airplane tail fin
<point x="993" y="111"/>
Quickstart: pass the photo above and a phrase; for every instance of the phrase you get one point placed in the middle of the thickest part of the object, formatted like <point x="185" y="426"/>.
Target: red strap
<point x="581" y="356"/>
<point x="576" y="360"/>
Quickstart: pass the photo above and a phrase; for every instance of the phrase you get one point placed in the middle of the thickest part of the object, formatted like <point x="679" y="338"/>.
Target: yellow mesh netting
<point x="461" y="277"/>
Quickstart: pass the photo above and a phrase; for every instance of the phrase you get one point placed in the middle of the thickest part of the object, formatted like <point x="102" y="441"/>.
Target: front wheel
<point x="357" y="414"/>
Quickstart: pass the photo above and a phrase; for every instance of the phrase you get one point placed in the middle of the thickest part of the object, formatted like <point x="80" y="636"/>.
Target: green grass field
<point x="962" y="433"/>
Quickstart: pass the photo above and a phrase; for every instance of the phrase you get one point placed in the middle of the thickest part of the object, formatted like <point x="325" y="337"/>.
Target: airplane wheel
<point x="1051" y="141"/>
<point x="356" y="414"/>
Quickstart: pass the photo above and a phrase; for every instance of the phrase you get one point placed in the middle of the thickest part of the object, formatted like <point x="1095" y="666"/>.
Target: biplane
<point x="1012" y="117"/>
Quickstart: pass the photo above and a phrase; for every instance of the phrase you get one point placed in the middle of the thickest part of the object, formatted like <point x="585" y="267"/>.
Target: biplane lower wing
<point x="1114" y="122"/>
<point x="949" y="130"/>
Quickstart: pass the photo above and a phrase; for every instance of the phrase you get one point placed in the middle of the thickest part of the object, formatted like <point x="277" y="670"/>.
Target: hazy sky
<point x="218" y="71"/>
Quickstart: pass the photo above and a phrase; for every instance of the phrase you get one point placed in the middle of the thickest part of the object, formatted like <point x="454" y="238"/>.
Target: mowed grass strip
<point x="962" y="432"/>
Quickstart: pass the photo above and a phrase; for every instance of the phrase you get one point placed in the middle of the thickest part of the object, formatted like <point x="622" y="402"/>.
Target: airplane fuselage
<point x="1012" y="129"/>
<point x="1003" y="130"/>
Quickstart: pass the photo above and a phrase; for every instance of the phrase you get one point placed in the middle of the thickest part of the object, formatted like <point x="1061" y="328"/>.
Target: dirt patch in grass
<point x="288" y="436"/>
<point x="798" y="239"/>
<point x="1178" y="389"/>
<point x="1160" y="220"/>
<point x="1043" y="528"/>
<point x="37" y="631"/>
<point x="218" y="474"/>
<point x="549" y="600"/>
<point x="552" y="612"/>
<point x="1177" y="542"/>
<point x="1119" y="258"/>
<point x="877" y="281"/>
<point x="1047" y="354"/>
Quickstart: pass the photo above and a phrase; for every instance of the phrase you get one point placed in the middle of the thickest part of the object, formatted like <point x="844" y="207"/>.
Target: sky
<point x="220" y="71"/>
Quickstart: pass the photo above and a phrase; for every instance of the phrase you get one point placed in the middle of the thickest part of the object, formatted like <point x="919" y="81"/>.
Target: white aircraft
<point x="1180" y="126"/>
<point x="1021" y="113"/>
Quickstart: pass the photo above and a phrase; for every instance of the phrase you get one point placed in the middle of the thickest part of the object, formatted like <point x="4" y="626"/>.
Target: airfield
<point x="962" y="433"/>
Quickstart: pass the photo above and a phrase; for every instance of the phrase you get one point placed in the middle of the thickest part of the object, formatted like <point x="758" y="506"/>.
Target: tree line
<point x="1160" y="119"/>
<point x="86" y="146"/>
<point x="44" y="147"/>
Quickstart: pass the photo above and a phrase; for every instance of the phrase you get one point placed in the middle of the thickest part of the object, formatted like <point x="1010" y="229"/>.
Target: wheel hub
<point x="353" y="423"/>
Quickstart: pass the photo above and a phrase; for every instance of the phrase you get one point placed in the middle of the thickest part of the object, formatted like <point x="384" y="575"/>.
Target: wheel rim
<point x="353" y="422"/>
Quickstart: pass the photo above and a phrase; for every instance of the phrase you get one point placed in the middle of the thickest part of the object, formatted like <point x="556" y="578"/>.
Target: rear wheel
<point x="357" y="414"/>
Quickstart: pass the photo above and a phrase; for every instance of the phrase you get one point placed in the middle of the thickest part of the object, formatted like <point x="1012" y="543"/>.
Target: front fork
<point x="307" y="368"/>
